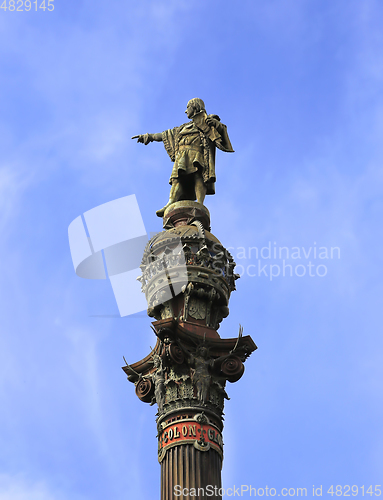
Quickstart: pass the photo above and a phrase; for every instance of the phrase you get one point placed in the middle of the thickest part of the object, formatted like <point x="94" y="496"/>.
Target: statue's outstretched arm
<point x="146" y="138"/>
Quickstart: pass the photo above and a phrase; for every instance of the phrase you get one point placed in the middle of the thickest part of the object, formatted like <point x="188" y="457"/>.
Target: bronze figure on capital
<point x="191" y="148"/>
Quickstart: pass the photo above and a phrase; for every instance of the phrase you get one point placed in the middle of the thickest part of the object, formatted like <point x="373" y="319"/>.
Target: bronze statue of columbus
<point x="191" y="148"/>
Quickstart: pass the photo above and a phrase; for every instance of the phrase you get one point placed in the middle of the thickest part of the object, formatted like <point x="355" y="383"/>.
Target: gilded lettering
<point x="210" y="434"/>
<point x="176" y="433"/>
<point x="184" y="431"/>
<point x="171" y="433"/>
<point x="192" y="430"/>
<point x="219" y="440"/>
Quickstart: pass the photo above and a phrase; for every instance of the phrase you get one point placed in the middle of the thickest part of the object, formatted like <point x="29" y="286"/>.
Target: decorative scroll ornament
<point x="202" y="445"/>
<point x="145" y="390"/>
<point x="201" y="418"/>
<point x="176" y="354"/>
<point x="233" y="368"/>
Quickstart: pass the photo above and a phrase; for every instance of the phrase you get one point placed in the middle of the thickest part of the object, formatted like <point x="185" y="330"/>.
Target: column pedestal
<point x="187" y="277"/>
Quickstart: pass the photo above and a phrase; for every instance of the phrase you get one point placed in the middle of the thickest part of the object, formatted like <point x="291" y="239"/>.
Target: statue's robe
<point x="192" y="147"/>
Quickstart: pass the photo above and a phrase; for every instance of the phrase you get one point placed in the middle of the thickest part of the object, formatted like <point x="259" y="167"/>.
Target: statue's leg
<point x="199" y="391"/>
<point x="176" y="192"/>
<point x="200" y="188"/>
<point x="175" y="195"/>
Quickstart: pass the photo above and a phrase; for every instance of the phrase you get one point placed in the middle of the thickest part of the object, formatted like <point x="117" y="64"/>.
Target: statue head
<point x="202" y="351"/>
<point x="194" y="106"/>
<point x="156" y="361"/>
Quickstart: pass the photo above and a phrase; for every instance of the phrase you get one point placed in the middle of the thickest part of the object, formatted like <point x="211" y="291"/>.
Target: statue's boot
<point x="175" y="194"/>
<point x="160" y="213"/>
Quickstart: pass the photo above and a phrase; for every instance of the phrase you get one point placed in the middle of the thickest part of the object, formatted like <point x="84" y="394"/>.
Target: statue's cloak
<point x="192" y="147"/>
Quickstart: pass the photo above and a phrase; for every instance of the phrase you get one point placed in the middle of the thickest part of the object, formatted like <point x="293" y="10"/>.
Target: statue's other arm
<point x="222" y="143"/>
<point x="146" y="138"/>
<point x="213" y="122"/>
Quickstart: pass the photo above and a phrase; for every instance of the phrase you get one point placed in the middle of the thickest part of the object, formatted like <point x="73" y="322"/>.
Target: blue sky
<point x="300" y="86"/>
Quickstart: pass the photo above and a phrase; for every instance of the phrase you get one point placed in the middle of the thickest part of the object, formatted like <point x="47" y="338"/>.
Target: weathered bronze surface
<point x="191" y="147"/>
<point x="188" y="277"/>
<point x="204" y="264"/>
<point x="187" y="371"/>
